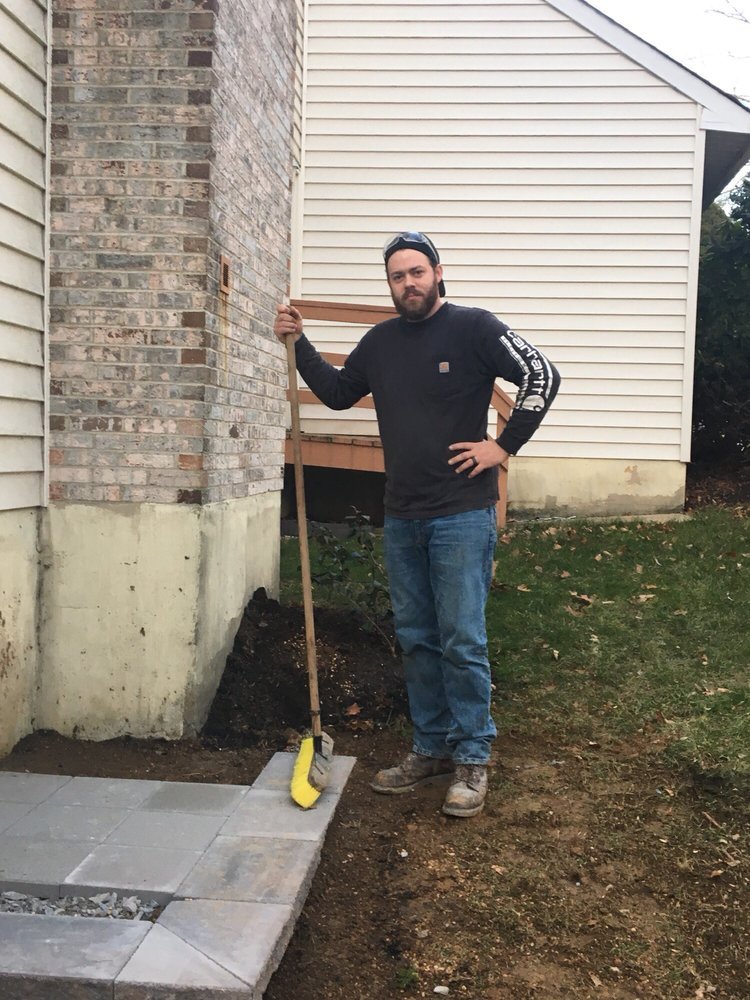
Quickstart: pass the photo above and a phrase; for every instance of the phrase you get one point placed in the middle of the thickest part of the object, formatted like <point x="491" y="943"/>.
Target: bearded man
<point x="431" y="372"/>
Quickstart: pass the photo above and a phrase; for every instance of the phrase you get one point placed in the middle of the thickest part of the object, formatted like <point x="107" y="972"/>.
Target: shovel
<point x="312" y="769"/>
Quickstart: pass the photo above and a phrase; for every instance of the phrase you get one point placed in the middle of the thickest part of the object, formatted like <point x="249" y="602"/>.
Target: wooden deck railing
<point x="365" y="453"/>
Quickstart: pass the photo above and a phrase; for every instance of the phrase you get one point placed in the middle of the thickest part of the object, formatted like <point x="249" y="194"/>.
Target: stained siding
<point x="555" y="175"/>
<point x="23" y="71"/>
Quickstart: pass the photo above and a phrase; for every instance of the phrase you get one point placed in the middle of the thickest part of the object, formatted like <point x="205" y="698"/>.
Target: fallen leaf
<point x="646" y="597"/>
<point x="499" y="870"/>
<point x="583" y="598"/>
<point x="680" y="611"/>
<point x="717" y="872"/>
<point x="564" y="575"/>
<point x="598" y="557"/>
<point x="596" y="980"/>
<point x="523" y="588"/>
<point x="352" y="709"/>
<point x="639" y="568"/>
<point x="556" y="653"/>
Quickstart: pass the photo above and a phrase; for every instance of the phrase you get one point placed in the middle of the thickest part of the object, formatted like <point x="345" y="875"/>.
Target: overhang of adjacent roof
<point x="725" y="119"/>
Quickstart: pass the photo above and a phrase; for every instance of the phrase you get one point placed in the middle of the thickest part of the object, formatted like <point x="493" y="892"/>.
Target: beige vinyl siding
<point x="299" y="54"/>
<point x="23" y="130"/>
<point x="555" y="175"/>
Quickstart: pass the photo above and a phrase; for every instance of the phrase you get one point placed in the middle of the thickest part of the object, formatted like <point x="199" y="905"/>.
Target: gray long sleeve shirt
<point x="431" y="383"/>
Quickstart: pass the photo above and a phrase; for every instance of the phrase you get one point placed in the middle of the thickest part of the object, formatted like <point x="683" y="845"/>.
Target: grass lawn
<point x="616" y="626"/>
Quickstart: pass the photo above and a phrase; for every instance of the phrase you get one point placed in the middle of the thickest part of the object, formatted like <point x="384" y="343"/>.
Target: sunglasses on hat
<point x="413" y="241"/>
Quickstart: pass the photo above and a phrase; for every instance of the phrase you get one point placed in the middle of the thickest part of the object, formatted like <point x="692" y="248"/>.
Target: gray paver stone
<point x="11" y="812"/>
<point x="186" y="832"/>
<point x="247" y="939"/>
<point x="85" y="824"/>
<point x="165" y="966"/>
<point x="277" y="774"/>
<point x="33" y="988"/>
<point x="269" y="813"/>
<point x="38" y="866"/>
<point x="254" y="869"/>
<point x="180" y="796"/>
<point x="16" y="786"/>
<point x="155" y="872"/>
<point x="112" y="793"/>
<point x="56" y="949"/>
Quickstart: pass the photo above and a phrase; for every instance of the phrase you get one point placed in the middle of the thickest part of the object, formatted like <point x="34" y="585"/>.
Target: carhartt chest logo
<point x="444" y="367"/>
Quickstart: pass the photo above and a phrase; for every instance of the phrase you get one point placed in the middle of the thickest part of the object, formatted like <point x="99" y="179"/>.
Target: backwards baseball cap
<point x="413" y="241"/>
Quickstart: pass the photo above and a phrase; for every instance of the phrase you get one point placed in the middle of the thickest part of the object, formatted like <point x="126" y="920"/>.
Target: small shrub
<point x="352" y="568"/>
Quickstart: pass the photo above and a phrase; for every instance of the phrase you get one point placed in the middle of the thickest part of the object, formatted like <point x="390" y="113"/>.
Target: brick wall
<point x="249" y="225"/>
<point x="170" y="144"/>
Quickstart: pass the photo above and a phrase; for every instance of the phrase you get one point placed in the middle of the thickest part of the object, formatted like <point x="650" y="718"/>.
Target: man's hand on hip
<point x="476" y="456"/>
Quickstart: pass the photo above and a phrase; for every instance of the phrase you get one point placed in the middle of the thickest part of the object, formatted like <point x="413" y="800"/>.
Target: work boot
<point x="413" y="770"/>
<point x="467" y="793"/>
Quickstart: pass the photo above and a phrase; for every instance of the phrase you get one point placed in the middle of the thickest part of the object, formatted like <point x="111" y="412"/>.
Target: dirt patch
<point x="262" y="699"/>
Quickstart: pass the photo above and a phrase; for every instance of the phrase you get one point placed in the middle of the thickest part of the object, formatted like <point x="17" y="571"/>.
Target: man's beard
<point x="416" y="307"/>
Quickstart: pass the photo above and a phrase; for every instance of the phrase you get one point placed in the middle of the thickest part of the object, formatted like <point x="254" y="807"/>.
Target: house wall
<point x="19" y="650"/>
<point x="558" y="178"/>
<point x="171" y="144"/>
<point x="23" y="182"/>
<point x="140" y="608"/>
<point x="248" y="223"/>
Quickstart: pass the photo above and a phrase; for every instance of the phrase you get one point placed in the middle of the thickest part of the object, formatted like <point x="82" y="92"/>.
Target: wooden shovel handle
<point x="304" y="549"/>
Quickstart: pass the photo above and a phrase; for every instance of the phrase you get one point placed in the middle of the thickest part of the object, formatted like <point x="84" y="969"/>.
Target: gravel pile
<point x="106" y="904"/>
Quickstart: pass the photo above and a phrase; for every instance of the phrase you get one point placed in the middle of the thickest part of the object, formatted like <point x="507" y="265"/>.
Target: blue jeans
<point x="439" y="572"/>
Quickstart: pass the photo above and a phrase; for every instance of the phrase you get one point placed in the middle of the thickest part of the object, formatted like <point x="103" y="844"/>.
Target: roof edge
<point x="724" y="112"/>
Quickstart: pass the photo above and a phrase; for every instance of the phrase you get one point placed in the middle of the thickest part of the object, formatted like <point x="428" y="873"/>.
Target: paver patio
<point x="232" y="864"/>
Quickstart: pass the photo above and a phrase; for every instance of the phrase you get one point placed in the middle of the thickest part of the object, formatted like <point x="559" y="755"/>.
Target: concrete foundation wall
<point x="594" y="487"/>
<point x="547" y="487"/>
<point x="19" y="581"/>
<point x="140" y="606"/>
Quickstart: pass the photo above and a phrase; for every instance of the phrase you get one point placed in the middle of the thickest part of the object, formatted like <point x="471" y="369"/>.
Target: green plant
<point x="353" y="569"/>
<point x="407" y="977"/>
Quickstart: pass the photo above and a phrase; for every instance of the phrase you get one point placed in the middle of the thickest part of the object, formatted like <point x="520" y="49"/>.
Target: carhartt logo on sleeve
<point x="444" y="367"/>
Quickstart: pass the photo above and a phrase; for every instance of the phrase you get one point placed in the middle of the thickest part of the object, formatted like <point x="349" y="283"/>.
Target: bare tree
<point x="734" y="12"/>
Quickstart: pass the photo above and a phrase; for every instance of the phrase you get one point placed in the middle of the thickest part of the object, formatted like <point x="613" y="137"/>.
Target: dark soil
<point x="718" y="487"/>
<point x="594" y="871"/>
<point x="262" y="699"/>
